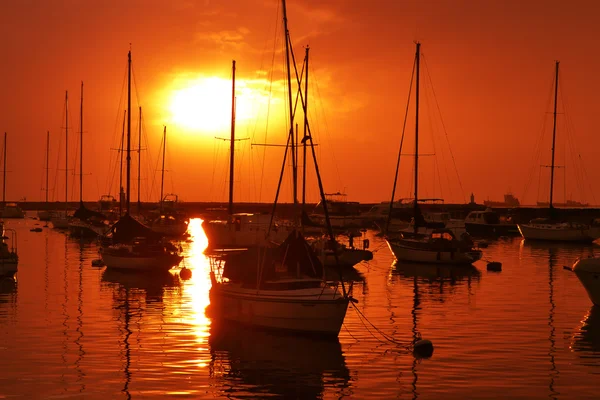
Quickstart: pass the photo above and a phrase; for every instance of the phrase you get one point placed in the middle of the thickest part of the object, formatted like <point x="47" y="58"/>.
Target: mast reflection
<point x="132" y="295"/>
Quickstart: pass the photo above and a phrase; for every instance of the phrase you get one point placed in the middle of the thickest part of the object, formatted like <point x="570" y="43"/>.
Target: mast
<point x="553" y="136"/>
<point x="232" y="145"/>
<point x="416" y="213"/>
<point x="47" y="164"/>
<point x="66" y="151"/>
<point x="4" y="178"/>
<point x="81" y="149"/>
<point x="128" y="198"/>
<point x="305" y="133"/>
<point x="291" y="111"/>
<point x="162" y="179"/>
<point x="121" y="165"/>
<point x="139" y="198"/>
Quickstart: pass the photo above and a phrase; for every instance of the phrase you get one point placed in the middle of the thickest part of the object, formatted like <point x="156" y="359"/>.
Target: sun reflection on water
<point x="198" y="286"/>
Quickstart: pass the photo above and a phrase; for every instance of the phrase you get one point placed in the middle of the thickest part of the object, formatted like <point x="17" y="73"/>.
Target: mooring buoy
<point x="423" y="348"/>
<point x="494" y="266"/>
<point x="185" y="273"/>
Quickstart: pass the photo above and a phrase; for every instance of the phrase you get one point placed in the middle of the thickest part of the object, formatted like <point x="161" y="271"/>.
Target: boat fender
<point x="423" y="348"/>
<point x="366" y="244"/>
<point x="185" y="273"/>
<point x="353" y="300"/>
<point x="483" y="244"/>
<point x="494" y="266"/>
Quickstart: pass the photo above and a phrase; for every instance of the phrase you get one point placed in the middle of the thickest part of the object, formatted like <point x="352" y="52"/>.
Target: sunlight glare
<point x="204" y="104"/>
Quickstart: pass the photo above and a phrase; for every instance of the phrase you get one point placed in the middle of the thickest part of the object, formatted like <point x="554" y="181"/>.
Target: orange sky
<point x="491" y="65"/>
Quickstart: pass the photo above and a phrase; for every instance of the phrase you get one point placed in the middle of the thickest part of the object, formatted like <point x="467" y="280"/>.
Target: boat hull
<point x="175" y="229"/>
<point x="60" y="222"/>
<point x="222" y="234"/>
<point x="557" y="233"/>
<point x="84" y="230"/>
<point x="8" y="266"/>
<point x="45" y="215"/>
<point x="406" y="252"/>
<point x="12" y="212"/>
<point x="130" y="262"/>
<point x="491" y="230"/>
<point x="588" y="272"/>
<point x="277" y="310"/>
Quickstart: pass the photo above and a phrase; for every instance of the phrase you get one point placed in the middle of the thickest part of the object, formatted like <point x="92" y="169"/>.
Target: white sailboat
<point x="60" y="220"/>
<point x="241" y="230"/>
<point x="437" y="246"/>
<point x="170" y="221"/>
<point x="588" y="272"/>
<point x="281" y="288"/>
<point x="129" y="244"/>
<point x="550" y="229"/>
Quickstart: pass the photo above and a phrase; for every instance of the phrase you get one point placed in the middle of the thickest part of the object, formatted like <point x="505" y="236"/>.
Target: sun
<point x="203" y="105"/>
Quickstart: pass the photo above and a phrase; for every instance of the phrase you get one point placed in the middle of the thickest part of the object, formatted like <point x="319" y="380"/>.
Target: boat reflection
<point x="436" y="281"/>
<point x="248" y="362"/>
<point x="149" y="286"/>
<point x="586" y="341"/>
<point x="565" y="253"/>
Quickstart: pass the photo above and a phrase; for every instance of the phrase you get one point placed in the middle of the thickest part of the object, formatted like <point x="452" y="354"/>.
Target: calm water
<point x="71" y="330"/>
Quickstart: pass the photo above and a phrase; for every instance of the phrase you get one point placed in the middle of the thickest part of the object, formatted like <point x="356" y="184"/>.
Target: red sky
<point x="491" y="65"/>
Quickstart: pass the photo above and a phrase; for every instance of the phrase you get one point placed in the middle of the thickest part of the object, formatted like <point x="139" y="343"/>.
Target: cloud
<point x="225" y="39"/>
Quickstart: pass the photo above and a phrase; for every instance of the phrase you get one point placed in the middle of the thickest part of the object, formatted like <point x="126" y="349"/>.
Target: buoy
<point x="97" y="263"/>
<point x="568" y="268"/>
<point x="494" y="266"/>
<point x="185" y="273"/>
<point x="35" y="230"/>
<point x="423" y="348"/>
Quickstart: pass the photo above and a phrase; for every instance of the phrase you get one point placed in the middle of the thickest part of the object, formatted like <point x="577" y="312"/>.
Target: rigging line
<point x="326" y="136"/>
<point x="278" y="186"/>
<point x="412" y="76"/>
<point x="578" y="167"/>
<point x="538" y="144"/>
<point x="262" y="175"/>
<point x="114" y="163"/>
<point x="444" y="128"/>
<point x="432" y="131"/>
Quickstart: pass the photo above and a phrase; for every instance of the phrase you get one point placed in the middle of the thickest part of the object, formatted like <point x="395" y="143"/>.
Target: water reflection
<point x="436" y="282"/>
<point x="247" y="362"/>
<point x="586" y="341"/>
<point x="132" y="294"/>
<point x="552" y="330"/>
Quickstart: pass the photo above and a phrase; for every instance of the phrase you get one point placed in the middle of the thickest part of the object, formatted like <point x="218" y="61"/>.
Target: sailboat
<point x="437" y="246"/>
<point x="170" y="221"/>
<point x="241" y="230"/>
<point x="85" y="222"/>
<point x="46" y="214"/>
<point x="129" y="244"/>
<point x="588" y="273"/>
<point x="9" y="210"/>
<point x="281" y="288"/>
<point x="61" y="220"/>
<point x="9" y="259"/>
<point x="551" y="229"/>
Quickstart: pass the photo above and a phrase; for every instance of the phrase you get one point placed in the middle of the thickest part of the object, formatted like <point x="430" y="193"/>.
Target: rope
<point x="407" y="346"/>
